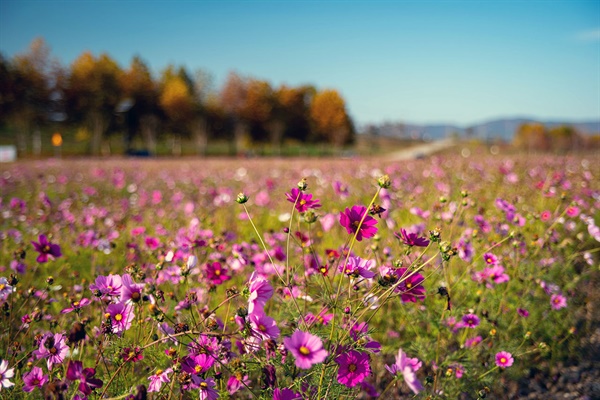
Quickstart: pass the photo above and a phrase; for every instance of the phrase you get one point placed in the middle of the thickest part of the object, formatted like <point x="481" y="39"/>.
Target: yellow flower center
<point x="203" y="385"/>
<point x="262" y="328"/>
<point x="160" y="371"/>
<point x="75" y="304"/>
<point x="352" y="367"/>
<point x="2" y="286"/>
<point x="198" y="368"/>
<point x="118" y="317"/>
<point x="304" y="350"/>
<point x="408" y="285"/>
<point x="46" y="249"/>
<point x="217" y="272"/>
<point x="502" y="360"/>
<point x="302" y="202"/>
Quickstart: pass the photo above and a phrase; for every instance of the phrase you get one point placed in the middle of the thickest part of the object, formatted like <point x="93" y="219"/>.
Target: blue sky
<point x="414" y="61"/>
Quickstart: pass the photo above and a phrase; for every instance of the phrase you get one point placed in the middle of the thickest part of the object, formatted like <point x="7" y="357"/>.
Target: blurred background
<point x="296" y="77"/>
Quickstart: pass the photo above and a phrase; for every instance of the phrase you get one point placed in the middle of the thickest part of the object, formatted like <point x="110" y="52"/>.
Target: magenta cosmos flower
<point x="85" y="376"/>
<point x="307" y="348"/>
<point x="353" y="368"/>
<point x="356" y="267"/>
<point x="350" y="219"/>
<point x="469" y="321"/>
<point x="285" y="394"/>
<point x="216" y="274"/>
<point x="504" y="359"/>
<point x="407" y="367"/>
<point x="411" y="285"/>
<point x="45" y="248"/>
<point x="34" y="379"/>
<point x="411" y="239"/>
<point x="303" y="201"/>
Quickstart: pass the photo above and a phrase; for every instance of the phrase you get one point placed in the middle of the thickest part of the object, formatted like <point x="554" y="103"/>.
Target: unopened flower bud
<point x="241" y="198"/>
<point x="310" y="216"/>
<point x="302" y="185"/>
<point x="384" y="181"/>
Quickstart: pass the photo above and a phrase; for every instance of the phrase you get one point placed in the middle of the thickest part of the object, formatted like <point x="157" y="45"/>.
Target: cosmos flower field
<point x="294" y="279"/>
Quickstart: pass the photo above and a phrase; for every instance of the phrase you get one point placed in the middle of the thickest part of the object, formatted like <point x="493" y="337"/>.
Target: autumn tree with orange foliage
<point x="330" y="119"/>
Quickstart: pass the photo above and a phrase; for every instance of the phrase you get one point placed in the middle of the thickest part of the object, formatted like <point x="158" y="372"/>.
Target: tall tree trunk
<point x="200" y="132"/>
<point x="37" y="142"/>
<point x="276" y="129"/>
<point x="98" y="128"/>
<point x="240" y="137"/>
<point x="149" y="128"/>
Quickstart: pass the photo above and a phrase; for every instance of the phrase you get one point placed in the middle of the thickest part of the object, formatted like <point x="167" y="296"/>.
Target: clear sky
<point x="414" y="61"/>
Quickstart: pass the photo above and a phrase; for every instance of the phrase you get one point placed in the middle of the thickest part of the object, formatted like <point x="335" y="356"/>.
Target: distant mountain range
<point x="495" y="129"/>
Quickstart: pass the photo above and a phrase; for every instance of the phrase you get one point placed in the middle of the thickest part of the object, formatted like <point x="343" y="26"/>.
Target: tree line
<point x="99" y="96"/>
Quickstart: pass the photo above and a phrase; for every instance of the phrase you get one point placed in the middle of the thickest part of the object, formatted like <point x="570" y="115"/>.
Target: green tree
<point x="31" y="89"/>
<point x="141" y="103"/>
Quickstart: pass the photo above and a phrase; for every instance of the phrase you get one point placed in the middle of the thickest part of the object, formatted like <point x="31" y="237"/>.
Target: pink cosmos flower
<point x="263" y="327"/>
<point x="302" y="200"/>
<point x="234" y="384"/>
<point x="322" y="317"/>
<point x="407" y="367"/>
<point x="5" y="289"/>
<point x="46" y="249"/>
<point x="131" y="292"/>
<point x="306" y="348"/>
<point x="260" y="292"/>
<point x="206" y="388"/>
<point x="490" y="259"/>
<point x="356" y="267"/>
<point x="158" y="379"/>
<point x="121" y="315"/>
<point x="353" y="367"/>
<point x="504" y="359"/>
<point x="76" y="306"/>
<point x="5" y="374"/>
<point x="411" y="239"/>
<point x="52" y="348"/>
<point x="85" y="376"/>
<point x="34" y="378"/>
<point x="558" y="301"/>
<point x="107" y="285"/>
<point x="197" y="364"/>
<point x="473" y="341"/>
<point x="350" y="219"/>
<point x="545" y="215"/>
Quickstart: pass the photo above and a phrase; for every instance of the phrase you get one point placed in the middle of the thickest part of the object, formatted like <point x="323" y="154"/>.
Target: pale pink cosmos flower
<point x="157" y="380"/>
<point x="5" y="374"/>
<point x="407" y="367"/>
